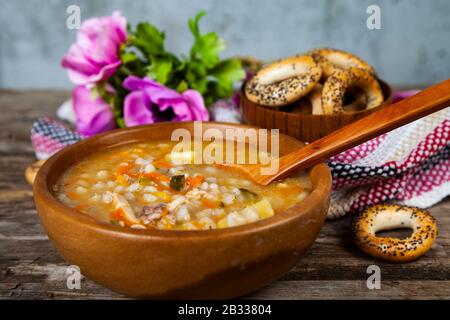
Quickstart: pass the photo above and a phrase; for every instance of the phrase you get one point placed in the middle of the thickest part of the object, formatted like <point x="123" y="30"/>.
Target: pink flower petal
<point x="136" y="109"/>
<point x="95" y="55"/>
<point x="93" y="114"/>
<point x="197" y="106"/>
<point x="149" y="102"/>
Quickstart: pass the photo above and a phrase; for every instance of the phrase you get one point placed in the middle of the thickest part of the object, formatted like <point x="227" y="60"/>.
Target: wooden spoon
<point x="386" y="119"/>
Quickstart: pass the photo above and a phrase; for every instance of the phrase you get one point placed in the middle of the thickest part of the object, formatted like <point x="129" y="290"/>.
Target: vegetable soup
<point x="146" y="185"/>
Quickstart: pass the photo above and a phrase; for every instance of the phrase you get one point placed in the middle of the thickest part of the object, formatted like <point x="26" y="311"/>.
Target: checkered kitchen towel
<point x="48" y="136"/>
<point x="410" y="165"/>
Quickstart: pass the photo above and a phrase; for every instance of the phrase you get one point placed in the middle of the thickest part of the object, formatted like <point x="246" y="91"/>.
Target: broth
<point x="145" y="185"/>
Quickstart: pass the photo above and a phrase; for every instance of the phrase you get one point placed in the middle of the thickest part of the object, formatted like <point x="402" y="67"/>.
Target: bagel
<point x="335" y="86"/>
<point x="283" y="82"/>
<point x="332" y="60"/>
<point x="388" y="217"/>
<point x="315" y="98"/>
<point x="358" y="100"/>
<point x="357" y="103"/>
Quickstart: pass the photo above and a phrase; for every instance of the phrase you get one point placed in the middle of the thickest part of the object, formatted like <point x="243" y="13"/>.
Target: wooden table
<point x="31" y="268"/>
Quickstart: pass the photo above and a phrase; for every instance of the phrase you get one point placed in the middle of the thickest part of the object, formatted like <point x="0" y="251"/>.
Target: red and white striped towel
<point x="410" y="165"/>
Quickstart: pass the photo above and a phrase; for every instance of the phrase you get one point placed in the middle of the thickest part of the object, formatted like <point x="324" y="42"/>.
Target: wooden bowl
<point x="305" y="127"/>
<point x="206" y="264"/>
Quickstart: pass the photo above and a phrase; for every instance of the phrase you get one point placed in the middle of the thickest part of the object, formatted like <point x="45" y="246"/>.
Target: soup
<point x="146" y="185"/>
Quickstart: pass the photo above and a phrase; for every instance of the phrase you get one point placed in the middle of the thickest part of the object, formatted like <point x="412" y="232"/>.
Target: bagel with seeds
<point x="388" y="217"/>
<point x="358" y="100"/>
<point x="283" y="82"/>
<point x="336" y="85"/>
<point x="332" y="60"/>
<point x="315" y="98"/>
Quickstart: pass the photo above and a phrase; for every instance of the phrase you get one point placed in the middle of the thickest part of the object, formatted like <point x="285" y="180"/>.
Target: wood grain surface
<point x="30" y="268"/>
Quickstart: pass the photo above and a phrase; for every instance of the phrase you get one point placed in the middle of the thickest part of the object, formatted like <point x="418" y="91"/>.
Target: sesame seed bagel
<point x="332" y="60"/>
<point x="335" y="86"/>
<point x="388" y="217"/>
<point x="315" y="98"/>
<point x="283" y="82"/>
<point x="359" y="101"/>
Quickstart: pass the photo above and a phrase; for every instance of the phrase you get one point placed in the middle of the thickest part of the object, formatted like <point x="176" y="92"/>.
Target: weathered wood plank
<point x="31" y="268"/>
<point x="18" y="111"/>
<point x="354" y="290"/>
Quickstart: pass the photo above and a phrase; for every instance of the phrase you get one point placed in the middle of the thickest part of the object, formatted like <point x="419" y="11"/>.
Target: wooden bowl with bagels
<point x="89" y="197"/>
<point x="311" y="95"/>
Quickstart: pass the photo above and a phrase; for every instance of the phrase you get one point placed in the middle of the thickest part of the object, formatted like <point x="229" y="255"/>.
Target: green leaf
<point x="120" y="122"/>
<point x="209" y="99"/>
<point x="127" y="57"/>
<point x="219" y="90"/>
<point x="225" y="74"/>
<point x="182" y="86"/>
<point x="206" y="49"/>
<point x="193" y="24"/>
<point x="228" y="71"/>
<point x="148" y="39"/>
<point x="94" y="94"/>
<point x="144" y="55"/>
<point x="197" y="68"/>
<point x="206" y="46"/>
<point x="197" y="82"/>
<point x="160" y="69"/>
<point x="117" y="106"/>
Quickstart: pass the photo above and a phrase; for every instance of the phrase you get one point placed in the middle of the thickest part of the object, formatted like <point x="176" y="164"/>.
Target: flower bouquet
<point x="125" y="77"/>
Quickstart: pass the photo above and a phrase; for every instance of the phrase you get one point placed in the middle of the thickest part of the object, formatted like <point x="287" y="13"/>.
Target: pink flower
<point x="150" y="101"/>
<point x="400" y="95"/>
<point x="93" y="114"/>
<point x="95" y="55"/>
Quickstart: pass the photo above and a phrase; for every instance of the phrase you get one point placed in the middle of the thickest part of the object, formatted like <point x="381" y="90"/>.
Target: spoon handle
<point x="388" y="118"/>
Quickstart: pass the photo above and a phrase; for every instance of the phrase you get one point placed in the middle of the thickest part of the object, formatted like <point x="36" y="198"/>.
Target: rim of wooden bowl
<point x="43" y="194"/>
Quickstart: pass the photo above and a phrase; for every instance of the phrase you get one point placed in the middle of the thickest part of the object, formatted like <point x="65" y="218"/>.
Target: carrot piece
<point x="123" y="169"/>
<point x="133" y="175"/>
<point x="162" y="164"/>
<point x="118" y="214"/>
<point x="73" y="195"/>
<point x="161" y="187"/>
<point x="210" y="204"/>
<point x="156" y="176"/>
<point x="193" y="182"/>
<point x="80" y="207"/>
